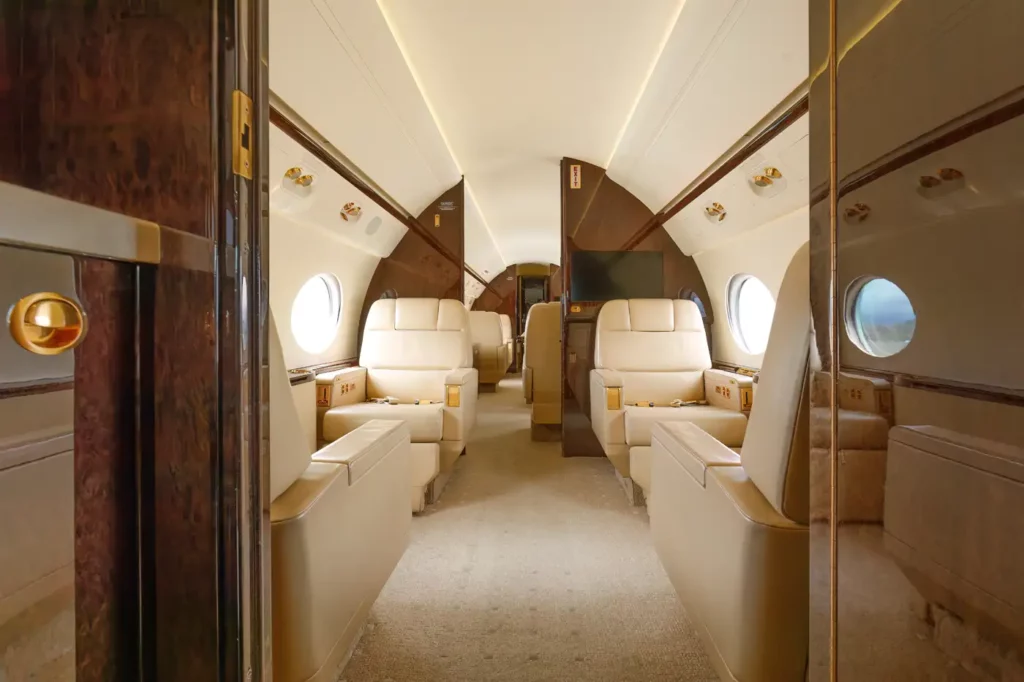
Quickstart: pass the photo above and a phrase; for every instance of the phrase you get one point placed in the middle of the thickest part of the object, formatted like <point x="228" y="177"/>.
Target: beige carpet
<point x="531" y="567"/>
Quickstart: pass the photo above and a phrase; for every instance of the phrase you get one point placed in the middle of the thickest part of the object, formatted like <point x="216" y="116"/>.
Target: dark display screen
<point x="610" y="275"/>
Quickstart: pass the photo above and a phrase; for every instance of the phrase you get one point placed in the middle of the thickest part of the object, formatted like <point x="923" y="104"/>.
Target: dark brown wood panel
<point x="415" y="268"/>
<point x="106" y="567"/>
<point x="110" y="105"/>
<point x="503" y="299"/>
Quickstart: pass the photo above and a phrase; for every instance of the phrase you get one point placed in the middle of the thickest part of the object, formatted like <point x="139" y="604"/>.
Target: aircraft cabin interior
<point x="540" y="341"/>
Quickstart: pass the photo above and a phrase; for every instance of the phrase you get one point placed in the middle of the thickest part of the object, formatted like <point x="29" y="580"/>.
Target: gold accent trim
<point x="242" y="134"/>
<point x="613" y="396"/>
<point x="453" y="396"/>
<point x="833" y="196"/>
<point x="47" y="323"/>
<point x="41" y="221"/>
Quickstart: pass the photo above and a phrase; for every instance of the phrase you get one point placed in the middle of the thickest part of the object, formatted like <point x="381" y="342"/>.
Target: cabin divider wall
<point x="915" y="246"/>
<point x="127" y="107"/>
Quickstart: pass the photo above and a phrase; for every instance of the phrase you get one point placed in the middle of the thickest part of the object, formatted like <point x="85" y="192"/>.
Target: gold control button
<point x="47" y="323"/>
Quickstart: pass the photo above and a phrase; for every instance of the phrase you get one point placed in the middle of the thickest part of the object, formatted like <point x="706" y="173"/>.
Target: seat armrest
<point x="607" y="413"/>
<point x="607" y="378"/>
<point x="460" y="377"/>
<point x="729" y="390"/>
<point x="341" y="387"/>
<point x="460" y="396"/>
<point x="360" y="449"/>
<point x="694" y="449"/>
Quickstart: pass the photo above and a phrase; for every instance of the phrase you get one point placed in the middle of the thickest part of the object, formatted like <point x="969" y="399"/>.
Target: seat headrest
<point x="651" y="335"/>
<point x="416" y="314"/>
<point x="776" y="449"/>
<point x="485" y="328"/>
<point x="289" y="448"/>
<point x="417" y="334"/>
<point x="650" y="315"/>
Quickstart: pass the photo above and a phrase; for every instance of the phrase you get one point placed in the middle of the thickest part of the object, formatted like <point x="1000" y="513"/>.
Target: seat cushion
<point x="640" y="467"/>
<point x="726" y="426"/>
<point x="425" y="421"/>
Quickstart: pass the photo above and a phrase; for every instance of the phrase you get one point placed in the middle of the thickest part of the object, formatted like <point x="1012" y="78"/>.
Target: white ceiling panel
<point x="726" y="65"/>
<point x="481" y="253"/>
<point x="747" y="206"/>
<point x="376" y="231"/>
<point x="337" y="64"/>
<point x="516" y="86"/>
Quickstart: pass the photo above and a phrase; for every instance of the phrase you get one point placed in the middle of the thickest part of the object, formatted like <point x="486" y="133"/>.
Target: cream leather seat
<point x="542" y="365"/>
<point x="490" y="356"/>
<point x="954" y="517"/>
<point x="418" y="352"/>
<point x="340" y="523"/>
<point x="656" y="351"/>
<point x="732" y="530"/>
<point x="506" y="336"/>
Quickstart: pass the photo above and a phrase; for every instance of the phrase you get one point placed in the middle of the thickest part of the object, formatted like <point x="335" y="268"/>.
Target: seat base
<point x="634" y="493"/>
<point x="545" y="433"/>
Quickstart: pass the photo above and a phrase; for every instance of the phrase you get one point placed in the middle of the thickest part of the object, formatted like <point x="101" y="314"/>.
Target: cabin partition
<point x="917" y="426"/>
<point x="132" y="280"/>
<point x="600" y="215"/>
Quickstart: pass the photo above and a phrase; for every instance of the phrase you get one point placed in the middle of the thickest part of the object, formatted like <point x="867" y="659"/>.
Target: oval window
<point x="316" y="313"/>
<point x="879" y="317"/>
<point x="751" y="308"/>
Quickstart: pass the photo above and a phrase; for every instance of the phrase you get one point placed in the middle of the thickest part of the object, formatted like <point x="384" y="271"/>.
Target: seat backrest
<point x="410" y="344"/>
<point x="776" y="448"/>
<point x="485" y="328"/>
<point x="289" y="447"/>
<point x="543" y="345"/>
<point x="658" y="344"/>
<point x="506" y="328"/>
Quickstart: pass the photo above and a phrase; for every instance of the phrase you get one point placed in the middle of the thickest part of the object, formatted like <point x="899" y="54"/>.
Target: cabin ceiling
<point x="418" y="93"/>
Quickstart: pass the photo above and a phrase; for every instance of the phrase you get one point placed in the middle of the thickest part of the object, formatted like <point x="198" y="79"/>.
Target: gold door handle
<point x="47" y="323"/>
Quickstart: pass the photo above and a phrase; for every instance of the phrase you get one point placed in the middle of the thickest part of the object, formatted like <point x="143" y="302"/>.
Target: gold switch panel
<point x="453" y="397"/>
<point x="614" y="397"/>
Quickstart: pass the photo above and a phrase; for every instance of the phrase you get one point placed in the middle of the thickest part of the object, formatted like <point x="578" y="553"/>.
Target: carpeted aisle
<point x="531" y="567"/>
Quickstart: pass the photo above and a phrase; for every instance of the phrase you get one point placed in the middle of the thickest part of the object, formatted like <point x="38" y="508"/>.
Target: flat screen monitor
<point x="610" y="275"/>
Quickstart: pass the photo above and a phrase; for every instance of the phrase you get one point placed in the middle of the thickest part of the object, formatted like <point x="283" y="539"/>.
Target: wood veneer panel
<point x="415" y="268"/>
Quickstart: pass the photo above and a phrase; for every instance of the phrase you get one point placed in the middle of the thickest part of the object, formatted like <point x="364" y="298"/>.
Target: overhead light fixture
<point x="715" y="212"/>
<point x="768" y="177"/>
<point x="857" y="213"/>
<point x="351" y="212"/>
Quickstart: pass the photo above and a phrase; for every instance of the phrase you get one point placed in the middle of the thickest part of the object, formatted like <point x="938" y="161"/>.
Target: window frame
<point x="855" y="328"/>
<point x="732" y="294"/>
<point x="336" y="301"/>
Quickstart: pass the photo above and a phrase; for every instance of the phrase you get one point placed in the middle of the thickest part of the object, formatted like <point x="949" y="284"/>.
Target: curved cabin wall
<point x="764" y="252"/>
<point x="298" y="253"/>
<point x="415" y="268"/>
<point x="601" y="215"/>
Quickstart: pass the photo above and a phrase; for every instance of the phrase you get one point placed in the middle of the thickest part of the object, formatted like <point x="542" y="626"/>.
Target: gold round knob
<point x="46" y="323"/>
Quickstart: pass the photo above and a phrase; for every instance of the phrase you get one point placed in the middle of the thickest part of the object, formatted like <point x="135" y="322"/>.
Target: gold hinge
<point x="241" y="130"/>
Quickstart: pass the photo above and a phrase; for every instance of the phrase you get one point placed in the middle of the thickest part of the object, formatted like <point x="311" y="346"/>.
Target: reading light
<point x="928" y="181"/>
<point x="293" y="173"/>
<point x="304" y="180"/>
<point x="351" y="211"/>
<point x="715" y="210"/>
<point x="949" y="174"/>
<point x="857" y="213"/>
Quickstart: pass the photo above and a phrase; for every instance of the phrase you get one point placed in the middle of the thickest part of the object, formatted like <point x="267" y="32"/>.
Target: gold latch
<point x="241" y="127"/>
<point x="47" y="323"/>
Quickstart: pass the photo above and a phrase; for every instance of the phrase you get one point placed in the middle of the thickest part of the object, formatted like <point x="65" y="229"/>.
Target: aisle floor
<point x="531" y="567"/>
